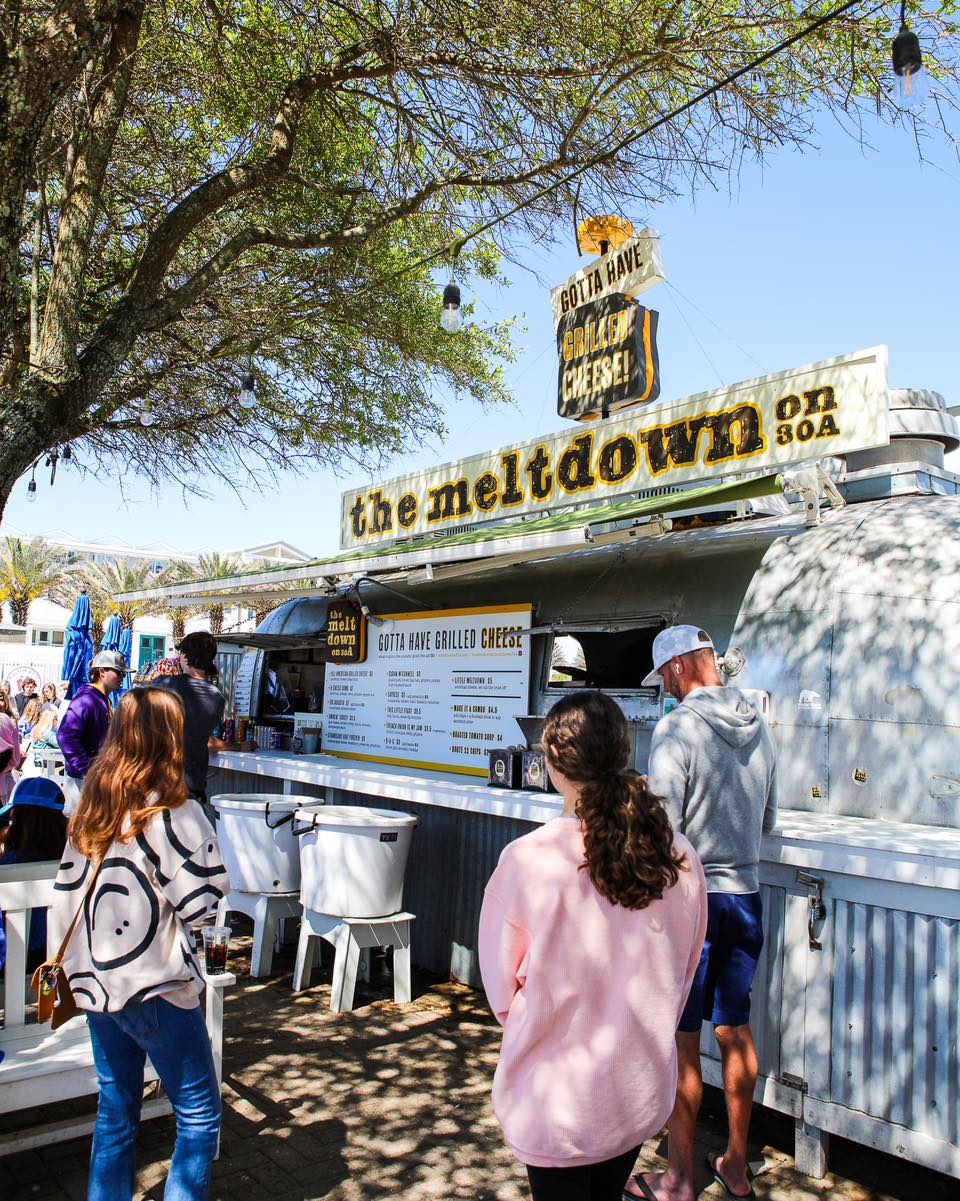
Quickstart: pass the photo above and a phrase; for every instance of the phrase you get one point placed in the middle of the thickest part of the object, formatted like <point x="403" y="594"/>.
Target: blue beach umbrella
<point x="77" y="646"/>
<point x="125" y="647"/>
<point x="111" y="634"/>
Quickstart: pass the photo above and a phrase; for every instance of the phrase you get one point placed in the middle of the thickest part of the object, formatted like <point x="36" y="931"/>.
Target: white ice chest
<point x="255" y="833"/>
<point x="353" y="859"/>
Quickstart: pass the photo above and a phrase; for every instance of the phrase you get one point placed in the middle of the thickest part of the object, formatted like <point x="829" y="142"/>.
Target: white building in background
<point x="38" y="646"/>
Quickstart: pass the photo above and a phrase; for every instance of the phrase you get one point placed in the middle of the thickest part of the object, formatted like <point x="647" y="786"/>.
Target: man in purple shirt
<point x="83" y="727"/>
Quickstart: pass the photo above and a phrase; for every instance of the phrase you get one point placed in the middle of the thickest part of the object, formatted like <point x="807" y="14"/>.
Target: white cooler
<point x="255" y="833"/>
<point x="352" y="859"/>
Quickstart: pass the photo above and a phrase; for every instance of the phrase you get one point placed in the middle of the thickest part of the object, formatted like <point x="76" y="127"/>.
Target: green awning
<point x="518" y="535"/>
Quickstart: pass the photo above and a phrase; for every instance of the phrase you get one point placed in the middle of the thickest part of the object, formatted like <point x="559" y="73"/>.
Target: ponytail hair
<point x="628" y="839"/>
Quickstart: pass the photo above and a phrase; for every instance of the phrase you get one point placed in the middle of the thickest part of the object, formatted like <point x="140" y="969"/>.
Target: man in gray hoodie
<point x="712" y="761"/>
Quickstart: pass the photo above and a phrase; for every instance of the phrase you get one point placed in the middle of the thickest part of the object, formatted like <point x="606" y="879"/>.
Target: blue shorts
<point x="721" y="987"/>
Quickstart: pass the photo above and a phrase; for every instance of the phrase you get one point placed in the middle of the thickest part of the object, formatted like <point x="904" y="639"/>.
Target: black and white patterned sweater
<point x="133" y="940"/>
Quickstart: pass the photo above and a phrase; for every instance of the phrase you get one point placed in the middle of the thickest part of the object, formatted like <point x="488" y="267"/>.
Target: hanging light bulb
<point x="32" y="486"/>
<point x="67" y="453"/>
<point x="248" y="396"/>
<point x="146" y="415"/>
<point x="451" y="318"/>
<point x="912" y="84"/>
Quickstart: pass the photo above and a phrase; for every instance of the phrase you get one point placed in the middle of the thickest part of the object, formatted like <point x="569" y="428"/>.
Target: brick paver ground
<point x="394" y="1101"/>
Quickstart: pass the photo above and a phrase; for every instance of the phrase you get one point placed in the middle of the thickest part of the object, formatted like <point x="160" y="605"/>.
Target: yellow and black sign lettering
<point x="608" y="357"/>
<point x="346" y="634"/>
<point x="585" y="463"/>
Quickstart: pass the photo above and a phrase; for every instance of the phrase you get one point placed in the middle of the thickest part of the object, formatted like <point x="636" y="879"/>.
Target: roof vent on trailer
<point x="922" y="430"/>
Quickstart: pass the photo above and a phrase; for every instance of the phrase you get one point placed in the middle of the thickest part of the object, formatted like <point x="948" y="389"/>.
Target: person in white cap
<point x="713" y="763"/>
<point x="84" y="725"/>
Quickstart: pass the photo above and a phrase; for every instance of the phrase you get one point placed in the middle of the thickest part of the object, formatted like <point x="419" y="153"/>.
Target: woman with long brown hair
<point x="590" y="935"/>
<point x="131" y="962"/>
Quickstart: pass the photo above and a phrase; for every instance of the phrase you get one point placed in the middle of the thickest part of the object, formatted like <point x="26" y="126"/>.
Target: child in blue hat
<point x="32" y="830"/>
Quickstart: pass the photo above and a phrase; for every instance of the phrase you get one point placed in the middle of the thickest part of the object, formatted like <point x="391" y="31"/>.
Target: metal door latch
<point x="817" y="910"/>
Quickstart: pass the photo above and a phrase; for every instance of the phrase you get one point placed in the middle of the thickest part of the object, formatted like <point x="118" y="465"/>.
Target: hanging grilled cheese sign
<point x="828" y="408"/>
<point x="606" y="342"/>
<point x="608" y="358"/>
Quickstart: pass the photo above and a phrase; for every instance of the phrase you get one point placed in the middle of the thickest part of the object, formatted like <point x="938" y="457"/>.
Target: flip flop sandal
<point x="712" y="1166"/>
<point x="645" y="1190"/>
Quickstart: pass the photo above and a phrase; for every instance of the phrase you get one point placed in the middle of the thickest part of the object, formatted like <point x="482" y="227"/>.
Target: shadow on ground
<point x="394" y="1101"/>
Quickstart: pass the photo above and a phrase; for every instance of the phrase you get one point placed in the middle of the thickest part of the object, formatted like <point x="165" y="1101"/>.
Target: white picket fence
<point x="17" y="659"/>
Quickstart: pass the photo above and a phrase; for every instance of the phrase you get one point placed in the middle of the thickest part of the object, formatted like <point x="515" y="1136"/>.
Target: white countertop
<point x="898" y="852"/>
<point x="445" y="789"/>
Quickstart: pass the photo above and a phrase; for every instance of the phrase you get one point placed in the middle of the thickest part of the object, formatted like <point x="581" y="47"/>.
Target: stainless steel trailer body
<point x="850" y="627"/>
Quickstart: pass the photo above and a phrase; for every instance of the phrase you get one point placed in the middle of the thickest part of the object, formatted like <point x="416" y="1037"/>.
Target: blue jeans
<point x="178" y="1045"/>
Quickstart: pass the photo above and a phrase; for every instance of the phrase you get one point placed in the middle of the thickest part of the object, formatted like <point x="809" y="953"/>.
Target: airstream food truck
<point x="467" y="599"/>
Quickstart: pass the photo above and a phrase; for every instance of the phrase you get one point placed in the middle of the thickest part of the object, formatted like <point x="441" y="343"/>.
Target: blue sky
<point x="813" y="255"/>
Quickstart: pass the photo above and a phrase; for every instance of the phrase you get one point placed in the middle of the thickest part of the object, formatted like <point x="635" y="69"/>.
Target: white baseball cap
<point x="112" y="660"/>
<point x="675" y="640"/>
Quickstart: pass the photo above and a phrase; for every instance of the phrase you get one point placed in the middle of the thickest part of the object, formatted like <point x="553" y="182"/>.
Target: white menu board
<point x="438" y="690"/>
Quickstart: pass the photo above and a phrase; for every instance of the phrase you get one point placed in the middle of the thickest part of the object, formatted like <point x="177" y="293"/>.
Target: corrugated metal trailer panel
<point x="767" y="1004"/>
<point x="860" y="1038"/>
<point x="221" y="779"/>
<point x="895" y="1017"/>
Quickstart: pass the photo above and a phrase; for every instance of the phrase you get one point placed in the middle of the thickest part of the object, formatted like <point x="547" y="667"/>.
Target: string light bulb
<point x="912" y="84"/>
<point x="248" y="396"/>
<point x="146" y="415"/>
<point x="67" y="453"/>
<point x="32" y="486"/>
<point x="452" y="316"/>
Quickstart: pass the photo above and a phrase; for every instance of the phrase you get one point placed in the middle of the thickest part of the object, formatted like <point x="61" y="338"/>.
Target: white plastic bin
<point x="352" y="859"/>
<point x="255" y="832"/>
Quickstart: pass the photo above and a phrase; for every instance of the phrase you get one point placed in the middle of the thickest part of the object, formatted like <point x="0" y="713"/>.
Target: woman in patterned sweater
<point x="131" y="960"/>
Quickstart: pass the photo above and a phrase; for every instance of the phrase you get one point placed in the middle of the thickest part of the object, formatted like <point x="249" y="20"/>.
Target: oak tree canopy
<point x="191" y="187"/>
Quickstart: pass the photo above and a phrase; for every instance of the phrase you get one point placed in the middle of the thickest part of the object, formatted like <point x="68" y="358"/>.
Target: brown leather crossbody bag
<point x="55" y="1000"/>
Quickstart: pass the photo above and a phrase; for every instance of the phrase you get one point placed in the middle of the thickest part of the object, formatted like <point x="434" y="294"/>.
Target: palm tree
<point x="176" y="573"/>
<point x="261" y="610"/>
<point x="29" y="570"/>
<point x="213" y="566"/>
<point x="104" y="580"/>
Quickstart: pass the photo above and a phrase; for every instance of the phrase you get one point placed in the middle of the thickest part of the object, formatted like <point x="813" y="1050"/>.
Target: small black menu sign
<point x="346" y="633"/>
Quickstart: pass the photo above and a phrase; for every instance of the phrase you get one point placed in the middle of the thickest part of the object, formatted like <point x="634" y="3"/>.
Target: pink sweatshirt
<point x="589" y="995"/>
<point x="9" y="737"/>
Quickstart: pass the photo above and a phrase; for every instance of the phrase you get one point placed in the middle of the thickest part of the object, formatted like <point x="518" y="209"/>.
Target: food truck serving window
<point x="615" y="659"/>
<point x="292" y="681"/>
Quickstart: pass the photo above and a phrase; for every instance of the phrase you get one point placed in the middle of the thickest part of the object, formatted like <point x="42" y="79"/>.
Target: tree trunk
<point x="216" y="619"/>
<point x="57" y="351"/>
<point x="20" y="609"/>
<point x="16" y="168"/>
<point x="35" y="72"/>
<point x="179" y="626"/>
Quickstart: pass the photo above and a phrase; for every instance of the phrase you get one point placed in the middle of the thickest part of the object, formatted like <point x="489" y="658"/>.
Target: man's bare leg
<point x="676" y="1183"/>
<point x="739" y="1060"/>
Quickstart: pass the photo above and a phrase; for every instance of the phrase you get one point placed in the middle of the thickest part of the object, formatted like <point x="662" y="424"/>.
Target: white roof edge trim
<point x="568" y="539"/>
